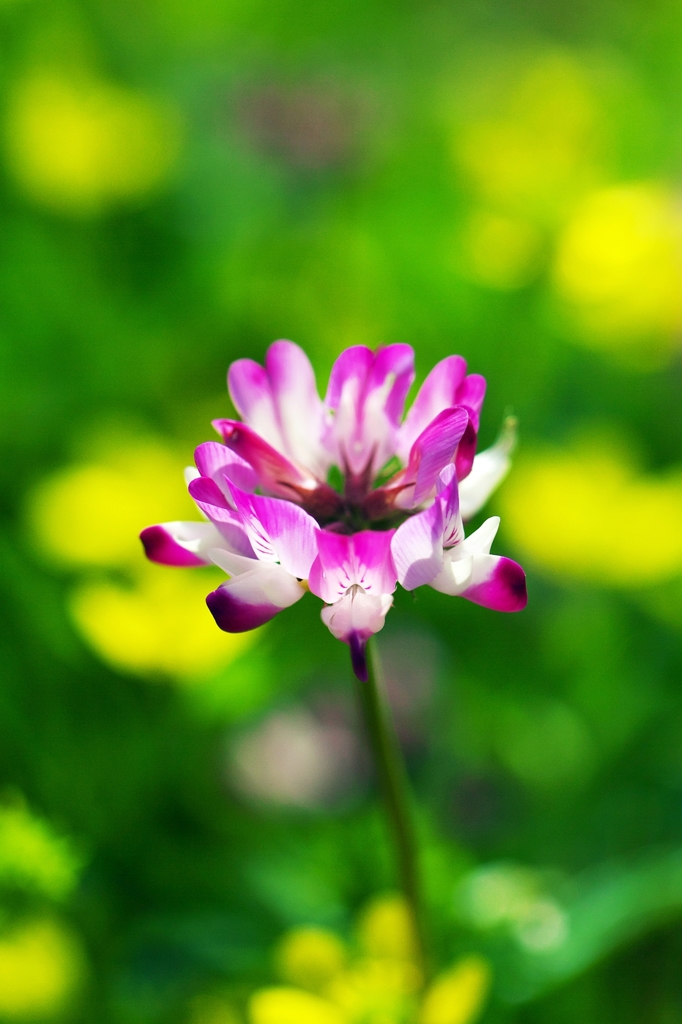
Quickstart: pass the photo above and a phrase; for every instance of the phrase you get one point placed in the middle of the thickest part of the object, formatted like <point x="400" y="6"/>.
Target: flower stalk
<point x="395" y="790"/>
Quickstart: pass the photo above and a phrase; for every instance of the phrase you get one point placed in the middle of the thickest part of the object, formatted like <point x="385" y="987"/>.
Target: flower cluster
<point x="376" y="977"/>
<point x="344" y="497"/>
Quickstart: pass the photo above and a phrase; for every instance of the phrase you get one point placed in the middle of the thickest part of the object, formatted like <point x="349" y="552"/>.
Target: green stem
<point x="395" y="789"/>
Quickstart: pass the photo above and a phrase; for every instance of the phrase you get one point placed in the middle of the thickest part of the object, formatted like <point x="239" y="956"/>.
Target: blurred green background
<point x="182" y="183"/>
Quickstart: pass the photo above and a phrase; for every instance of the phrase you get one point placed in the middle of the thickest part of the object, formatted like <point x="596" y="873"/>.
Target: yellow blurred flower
<point x="378" y="989"/>
<point x="385" y="929"/>
<point x="457" y="995"/>
<point x="380" y="985"/>
<point x="78" y="144"/>
<point x="161" y="624"/>
<point x="32" y="856"/>
<point x="619" y="268"/>
<point x="90" y="516"/>
<point x="587" y="514"/>
<point x="292" y="1006"/>
<point x="538" y="148"/>
<point x="41" y="966"/>
<point x="310" y="957"/>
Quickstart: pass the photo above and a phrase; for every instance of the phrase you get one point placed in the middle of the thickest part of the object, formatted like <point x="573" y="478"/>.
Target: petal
<point x="213" y="503"/>
<point x="299" y="408"/>
<point x="432" y="451"/>
<point x="279" y="531"/>
<point x="417" y="548"/>
<point x="275" y="472"/>
<point x="178" y="543"/>
<point x="348" y="375"/>
<point x="253" y="598"/>
<point x="438" y="392"/>
<point x="251" y="393"/>
<point x="373" y="565"/>
<point x="498" y="583"/>
<point x="466" y="451"/>
<point x="344" y="399"/>
<point x="448" y="498"/>
<point x="363" y="559"/>
<point x="470" y="394"/>
<point x="488" y="470"/>
<point x="357" y="614"/>
<point x="392" y="374"/>
<point x="366" y="394"/>
<point x="331" y="573"/>
<point x="480" y="541"/>
<point x="218" y="462"/>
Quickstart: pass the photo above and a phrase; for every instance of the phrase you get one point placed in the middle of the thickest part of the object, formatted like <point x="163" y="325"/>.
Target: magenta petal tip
<point x="161" y="548"/>
<point x="235" y="616"/>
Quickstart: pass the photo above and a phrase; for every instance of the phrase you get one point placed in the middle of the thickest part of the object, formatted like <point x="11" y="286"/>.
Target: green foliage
<point x="180" y="185"/>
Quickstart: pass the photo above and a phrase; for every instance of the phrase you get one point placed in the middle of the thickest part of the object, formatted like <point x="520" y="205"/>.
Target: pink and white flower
<point x="277" y="526"/>
<point x="430" y="548"/>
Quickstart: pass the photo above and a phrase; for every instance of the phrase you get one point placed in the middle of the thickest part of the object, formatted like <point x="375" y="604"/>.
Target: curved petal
<point x="251" y="394"/>
<point x="366" y="395"/>
<point x="299" y="408"/>
<point x="417" y="548"/>
<point x="357" y="614"/>
<point x="470" y="394"/>
<point x="488" y="470"/>
<point x="275" y="472"/>
<point x="438" y="392"/>
<point x="480" y="541"/>
<point x="361" y="559"/>
<point x="331" y="573"/>
<point x="466" y="451"/>
<point x="431" y="452"/>
<point x="212" y="502"/>
<point x="279" y="531"/>
<point x="280" y="402"/>
<point x="180" y="543"/>
<point x="253" y="598"/>
<point x="496" y="582"/>
<point x="218" y="462"/>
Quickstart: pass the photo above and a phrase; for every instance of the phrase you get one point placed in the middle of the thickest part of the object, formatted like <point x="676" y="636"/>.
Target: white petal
<point x="488" y="471"/>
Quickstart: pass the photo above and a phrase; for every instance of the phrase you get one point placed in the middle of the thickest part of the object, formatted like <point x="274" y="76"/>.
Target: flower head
<point x="277" y="525"/>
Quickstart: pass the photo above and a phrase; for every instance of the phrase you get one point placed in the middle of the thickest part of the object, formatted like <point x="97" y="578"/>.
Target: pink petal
<point x="213" y="503"/>
<point x="433" y="450"/>
<point x="466" y="451"/>
<point x="363" y="559"/>
<point x="471" y="394"/>
<point x="218" y="462"/>
<point x="279" y="531"/>
<point x="253" y="598"/>
<point x="281" y="404"/>
<point x="498" y="583"/>
<point x="373" y="561"/>
<point x="331" y="573"/>
<point x="250" y="390"/>
<point x="178" y="543"/>
<point x="299" y="408"/>
<point x="448" y="498"/>
<point x="392" y="373"/>
<point x="438" y="392"/>
<point x="275" y="473"/>
<point x="366" y="395"/>
<point x="417" y="548"/>
<point x="349" y="374"/>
